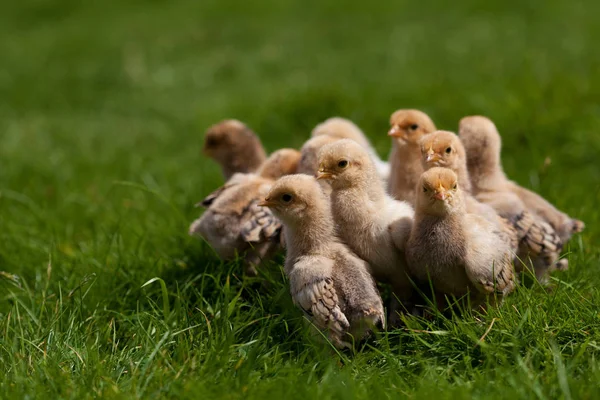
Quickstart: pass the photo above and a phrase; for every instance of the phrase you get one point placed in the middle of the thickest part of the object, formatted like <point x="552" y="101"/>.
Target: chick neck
<point x="462" y="172"/>
<point x="313" y="232"/>
<point x="486" y="174"/>
<point x="369" y="187"/>
<point x="405" y="160"/>
<point x="441" y="211"/>
<point x="232" y="163"/>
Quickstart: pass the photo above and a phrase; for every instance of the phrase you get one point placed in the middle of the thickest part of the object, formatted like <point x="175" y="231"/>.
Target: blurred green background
<point x="103" y="105"/>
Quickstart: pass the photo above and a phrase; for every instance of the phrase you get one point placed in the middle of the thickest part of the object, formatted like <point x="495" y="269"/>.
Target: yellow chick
<point x="328" y="281"/>
<point x="461" y="253"/>
<point x="564" y="225"/>
<point x="234" y="223"/>
<point x="490" y="185"/>
<point x="342" y="128"/>
<point x="234" y="147"/>
<point x="372" y="224"/>
<point x="407" y="129"/>
<point x="444" y="149"/>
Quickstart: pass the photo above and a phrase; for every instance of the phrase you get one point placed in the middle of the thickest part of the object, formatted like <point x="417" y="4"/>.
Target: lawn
<point x="102" y="110"/>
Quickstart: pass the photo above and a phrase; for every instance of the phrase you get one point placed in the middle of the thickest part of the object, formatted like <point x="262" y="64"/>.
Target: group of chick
<point x="439" y="221"/>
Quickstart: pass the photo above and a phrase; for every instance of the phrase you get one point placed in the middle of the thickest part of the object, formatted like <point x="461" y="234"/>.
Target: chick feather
<point x="406" y="129"/>
<point x="328" y="281"/>
<point x="234" y="223"/>
<point x="370" y="222"/>
<point x="538" y="241"/>
<point x="462" y="254"/>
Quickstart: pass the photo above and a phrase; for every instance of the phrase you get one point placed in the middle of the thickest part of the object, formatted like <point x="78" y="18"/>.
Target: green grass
<point x="102" y="109"/>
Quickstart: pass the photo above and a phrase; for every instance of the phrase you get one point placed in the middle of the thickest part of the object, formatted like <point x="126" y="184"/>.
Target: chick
<point x="538" y="239"/>
<point x="461" y="253"/>
<point x="407" y="128"/>
<point x="234" y="146"/>
<point x="280" y="163"/>
<point x="342" y="128"/>
<point x="444" y="149"/>
<point x="328" y="281"/>
<point x="234" y="223"/>
<point x="371" y="223"/>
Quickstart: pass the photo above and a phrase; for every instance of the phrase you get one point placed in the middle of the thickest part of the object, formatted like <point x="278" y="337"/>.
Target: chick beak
<point x="432" y="156"/>
<point x="440" y="193"/>
<point x="323" y="174"/>
<point x="395" y="131"/>
<point x="266" y="203"/>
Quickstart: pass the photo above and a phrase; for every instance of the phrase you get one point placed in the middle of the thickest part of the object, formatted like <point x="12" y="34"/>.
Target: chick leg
<point x="258" y="254"/>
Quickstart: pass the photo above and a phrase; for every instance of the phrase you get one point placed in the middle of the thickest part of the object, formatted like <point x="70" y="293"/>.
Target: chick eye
<point x="424" y="189"/>
<point x="454" y="186"/>
<point x="286" y="198"/>
<point x="343" y="164"/>
<point x="414" y="127"/>
<point x="449" y="150"/>
<point x="210" y="142"/>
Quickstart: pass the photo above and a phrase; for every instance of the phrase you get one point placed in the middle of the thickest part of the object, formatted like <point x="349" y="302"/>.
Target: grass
<point x="102" y="109"/>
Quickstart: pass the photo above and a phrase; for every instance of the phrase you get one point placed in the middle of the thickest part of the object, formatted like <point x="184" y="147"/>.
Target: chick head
<point x="344" y="164"/>
<point x="481" y="141"/>
<point x="224" y="136"/>
<point x="281" y="162"/>
<point x="309" y="163"/>
<point x="341" y="128"/>
<point x="442" y="149"/>
<point x="439" y="193"/>
<point x="292" y="197"/>
<point x="410" y="125"/>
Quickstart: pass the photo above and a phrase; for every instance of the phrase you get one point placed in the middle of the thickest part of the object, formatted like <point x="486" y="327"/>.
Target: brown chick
<point x="538" y="240"/>
<point x="462" y="254"/>
<point x="234" y="223"/>
<point x="407" y="128"/>
<point x="328" y="281"/>
<point x="342" y="128"/>
<point x="372" y="224"/>
<point x="235" y="147"/>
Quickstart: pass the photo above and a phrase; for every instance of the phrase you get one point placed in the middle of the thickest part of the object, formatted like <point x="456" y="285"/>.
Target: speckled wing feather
<point x="508" y="233"/>
<point x="503" y="282"/>
<point x="538" y="236"/>
<point x="489" y="262"/>
<point x="318" y="299"/>
<point x="261" y="225"/>
<point x="564" y="225"/>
